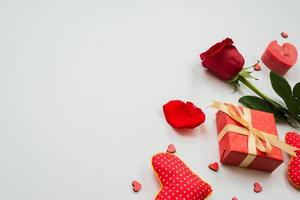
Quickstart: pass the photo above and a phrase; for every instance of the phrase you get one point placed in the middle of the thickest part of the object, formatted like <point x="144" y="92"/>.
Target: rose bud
<point x="223" y="60"/>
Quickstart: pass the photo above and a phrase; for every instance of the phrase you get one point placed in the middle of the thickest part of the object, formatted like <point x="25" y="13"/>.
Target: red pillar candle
<point x="280" y="58"/>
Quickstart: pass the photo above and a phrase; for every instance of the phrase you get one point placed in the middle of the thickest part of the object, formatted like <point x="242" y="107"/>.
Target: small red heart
<point x="136" y="186"/>
<point x="214" y="166"/>
<point x="257" y="187"/>
<point x="284" y="35"/>
<point x="171" y="148"/>
<point x="280" y="58"/>
<point x="257" y="67"/>
<point x="234" y="198"/>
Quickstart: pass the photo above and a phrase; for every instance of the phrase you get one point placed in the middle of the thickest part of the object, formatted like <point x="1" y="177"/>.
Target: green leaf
<point x="293" y="122"/>
<point x="258" y="103"/>
<point x="280" y="86"/>
<point x="292" y="105"/>
<point x="296" y="91"/>
<point x="255" y="102"/>
<point x="284" y="90"/>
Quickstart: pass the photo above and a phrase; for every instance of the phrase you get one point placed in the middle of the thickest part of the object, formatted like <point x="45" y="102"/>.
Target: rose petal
<point x="183" y="115"/>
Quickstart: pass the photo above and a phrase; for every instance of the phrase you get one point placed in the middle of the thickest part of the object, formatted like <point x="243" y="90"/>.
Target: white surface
<point x="82" y="85"/>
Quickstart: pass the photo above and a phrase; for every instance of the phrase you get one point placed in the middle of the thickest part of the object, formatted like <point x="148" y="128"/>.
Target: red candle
<point x="280" y="58"/>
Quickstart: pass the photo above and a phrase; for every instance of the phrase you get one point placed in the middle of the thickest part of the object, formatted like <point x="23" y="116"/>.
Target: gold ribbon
<point x="255" y="136"/>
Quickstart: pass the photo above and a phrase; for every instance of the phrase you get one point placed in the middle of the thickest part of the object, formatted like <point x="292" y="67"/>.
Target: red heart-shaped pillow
<point x="177" y="180"/>
<point x="293" y="139"/>
<point x="280" y="58"/>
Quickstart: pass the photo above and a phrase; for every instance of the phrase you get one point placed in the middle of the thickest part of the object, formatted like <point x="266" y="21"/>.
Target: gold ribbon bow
<point x="255" y="136"/>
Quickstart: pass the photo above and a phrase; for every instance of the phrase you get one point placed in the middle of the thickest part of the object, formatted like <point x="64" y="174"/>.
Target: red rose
<point x="183" y="115"/>
<point x="223" y="59"/>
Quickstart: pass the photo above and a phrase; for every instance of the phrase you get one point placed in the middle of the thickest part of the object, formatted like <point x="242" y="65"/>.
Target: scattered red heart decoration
<point x="293" y="139"/>
<point x="284" y="35"/>
<point x="257" y="67"/>
<point x="136" y="186"/>
<point x="183" y="115"/>
<point x="257" y="187"/>
<point x="171" y="148"/>
<point x="214" y="166"/>
<point x="234" y="198"/>
<point x="177" y="180"/>
<point x="280" y="58"/>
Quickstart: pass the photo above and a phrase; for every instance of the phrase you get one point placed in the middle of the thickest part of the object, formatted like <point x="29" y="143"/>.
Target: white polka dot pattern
<point x="294" y="171"/>
<point x="293" y="139"/>
<point x="177" y="180"/>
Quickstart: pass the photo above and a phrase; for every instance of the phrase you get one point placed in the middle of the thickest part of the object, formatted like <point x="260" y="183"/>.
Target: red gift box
<point x="233" y="147"/>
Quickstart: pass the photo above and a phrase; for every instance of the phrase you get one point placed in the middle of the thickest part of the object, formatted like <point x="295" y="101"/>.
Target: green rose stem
<point x="258" y="92"/>
<point x="274" y="104"/>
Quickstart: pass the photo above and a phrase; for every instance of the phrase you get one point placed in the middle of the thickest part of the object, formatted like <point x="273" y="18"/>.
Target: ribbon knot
<point x="249" y="126"/>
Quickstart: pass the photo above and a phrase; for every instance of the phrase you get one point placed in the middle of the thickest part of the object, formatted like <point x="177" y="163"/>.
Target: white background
<point x="82" y="84"/>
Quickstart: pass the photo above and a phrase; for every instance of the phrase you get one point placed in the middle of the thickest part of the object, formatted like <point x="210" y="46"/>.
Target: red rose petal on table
<point x="234" y="198"/>
<point x="257" y="187"/>
<point x="214" y="166"/>
<point x="183" y="115"/>
<point x="284" y="35"/>
<point x="171" y="148"/>
<point x="136" y="186"/>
